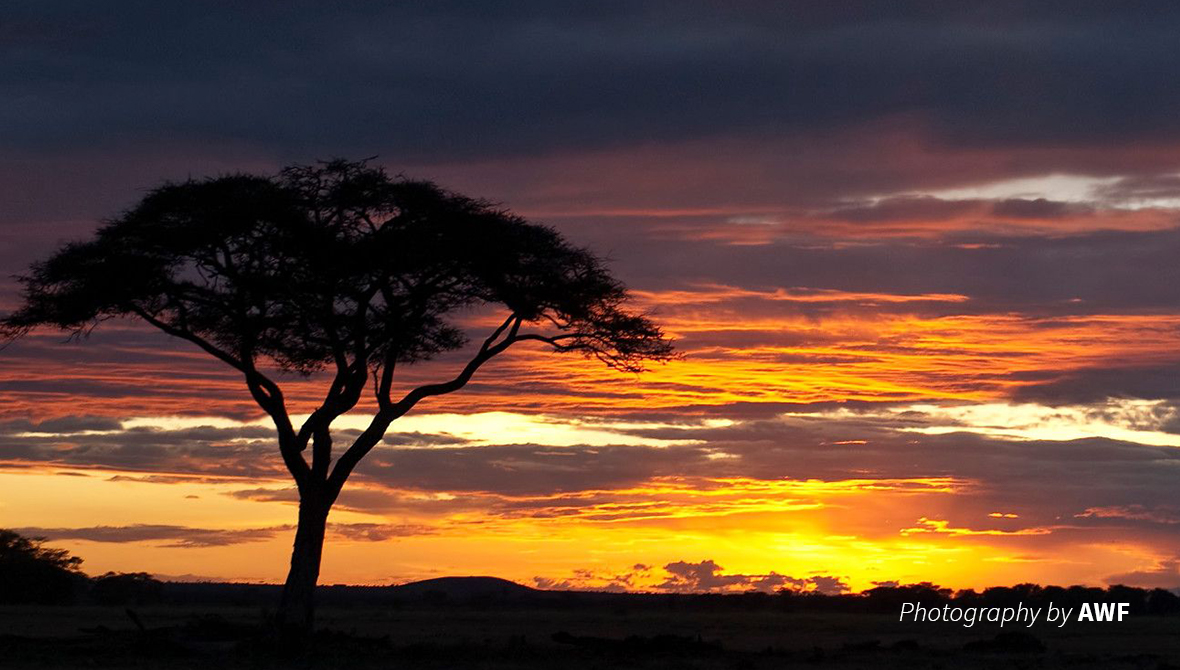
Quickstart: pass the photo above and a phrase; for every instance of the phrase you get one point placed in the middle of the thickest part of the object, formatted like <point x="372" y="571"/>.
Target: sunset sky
<point x="922" y="260"/>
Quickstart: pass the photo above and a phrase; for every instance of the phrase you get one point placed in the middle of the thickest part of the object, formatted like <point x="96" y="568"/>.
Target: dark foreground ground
<point x="594" y="636"/>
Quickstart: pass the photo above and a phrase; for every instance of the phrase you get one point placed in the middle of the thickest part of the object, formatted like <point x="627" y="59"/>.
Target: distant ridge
<point x="462" y="588"/>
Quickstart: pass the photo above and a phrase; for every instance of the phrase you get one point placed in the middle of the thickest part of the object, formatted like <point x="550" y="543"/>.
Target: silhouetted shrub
<point x="126" y="588"/>
<point x="1162" y="601"/>
<point x="888" y="599"/>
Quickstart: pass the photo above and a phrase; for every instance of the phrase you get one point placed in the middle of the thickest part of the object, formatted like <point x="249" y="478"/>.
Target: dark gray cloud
<point x="520" y="469"/>
<point x="1037" y="208"/>
<point x="164" y="455"/>
<point x="378" y="532"/>
<point x="463" y="78"/>
<point x="905" y="208"/>
<point x="1099" y="272"/>
<point x="1165" y="576"/>
<point x="64" y="425"/>
<point x="185" y="537"/>
<point x="164" y="535"/>
<point x="1141" y="188"/>
<point x="245" y="451"/>
<point x="1161" y="381"/>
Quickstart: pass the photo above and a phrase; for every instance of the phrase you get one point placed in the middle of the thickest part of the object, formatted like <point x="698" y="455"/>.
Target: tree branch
<point x="265" y="392"/>
<point x="554" y="340"/>
<point x="343" y="393"/>
<point x="187" y="335"/>
<point x="388" y="413"/>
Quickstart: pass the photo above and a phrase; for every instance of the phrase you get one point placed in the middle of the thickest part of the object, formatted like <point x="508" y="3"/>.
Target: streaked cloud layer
<point x="920" y="259"/>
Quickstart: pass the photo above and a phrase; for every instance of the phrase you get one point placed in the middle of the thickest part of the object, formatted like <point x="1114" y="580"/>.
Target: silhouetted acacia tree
<point x="335" y="266"/>
<point x="33" y="573"/>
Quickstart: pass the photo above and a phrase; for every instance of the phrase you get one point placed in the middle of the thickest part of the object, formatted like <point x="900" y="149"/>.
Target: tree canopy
<point x="335" y="265"/>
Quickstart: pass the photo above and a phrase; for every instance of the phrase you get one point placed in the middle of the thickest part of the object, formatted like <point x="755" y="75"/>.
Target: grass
<point x="224" y="638"/>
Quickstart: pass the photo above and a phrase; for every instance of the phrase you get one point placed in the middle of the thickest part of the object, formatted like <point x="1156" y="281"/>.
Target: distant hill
<point x="440" y="591"/>
<point x="463" y="588"/>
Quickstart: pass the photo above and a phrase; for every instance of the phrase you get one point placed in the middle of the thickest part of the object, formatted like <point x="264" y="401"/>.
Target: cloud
<point x="706" y="576"/>
<point x="1093" y="272"/>
<point x="420" y="439"/>
<point x="172" y="455"/>
<point x="1038" y="208"/>
<point x="1142" y="190"/>
<point x="908" y="208"/>
<point x="943" y="527"/>
<point x="161" y="534"/>
<point x="1090" y="384"/>
<point x="463" y="79"/>
<point x="378" y="532"/>
<point x="685" y="577"/>
<point x="1165" y="514"/>
<point x="1164" y="574"/>
<point x="65" y="425"/>
<point x="185" y="537"/>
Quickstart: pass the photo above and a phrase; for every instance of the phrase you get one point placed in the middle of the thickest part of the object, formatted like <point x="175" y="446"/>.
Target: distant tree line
<point x="1142" y="601"/>
<point x="888" y="599"/>
<point x="32" y="573"/>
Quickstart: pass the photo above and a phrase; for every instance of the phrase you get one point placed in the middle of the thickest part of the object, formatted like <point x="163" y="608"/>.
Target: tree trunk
<point x="296" y="614"/>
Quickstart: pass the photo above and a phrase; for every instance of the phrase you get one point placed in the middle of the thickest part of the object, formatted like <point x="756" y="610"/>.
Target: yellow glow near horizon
<point x="861" y="531"/>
